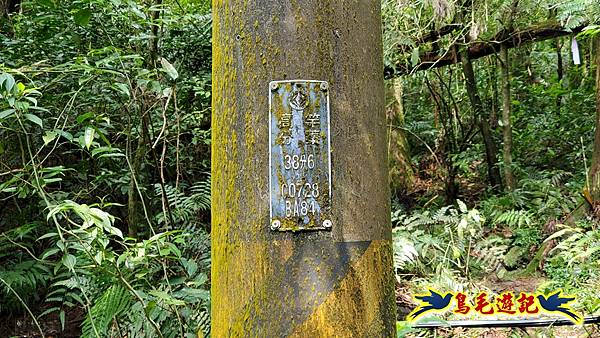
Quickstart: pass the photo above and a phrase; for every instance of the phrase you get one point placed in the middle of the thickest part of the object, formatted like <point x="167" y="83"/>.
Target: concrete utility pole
<point x="270" y="278"/>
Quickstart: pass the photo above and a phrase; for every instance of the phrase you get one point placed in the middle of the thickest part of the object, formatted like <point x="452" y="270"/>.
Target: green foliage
<point x="112" y="303"/>
<point x="104" y="113"/>
<point x="574" y="263"/>
<point x="147" y="287"/>
<point x="19" y="271"/>
<point x="184" y="210"/>
<point x="575" y="13"/>
<point x="579" y="245"/>
<point x="428" y="242"/>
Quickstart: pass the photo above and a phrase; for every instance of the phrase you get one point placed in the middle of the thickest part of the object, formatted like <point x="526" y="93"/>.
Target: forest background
<point x="105" y="157"/>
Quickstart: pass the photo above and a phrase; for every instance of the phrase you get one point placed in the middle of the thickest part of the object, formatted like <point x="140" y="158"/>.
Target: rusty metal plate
<point x="299" y="155"/>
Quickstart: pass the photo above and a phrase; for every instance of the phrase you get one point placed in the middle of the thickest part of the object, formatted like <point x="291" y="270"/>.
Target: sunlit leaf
<point x="89" y="136"/>
<point x="48" y="137"/>
<point x="169" y="68"/>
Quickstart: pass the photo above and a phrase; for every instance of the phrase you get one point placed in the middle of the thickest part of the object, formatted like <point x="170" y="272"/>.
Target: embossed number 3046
<point x="298" y="161"/>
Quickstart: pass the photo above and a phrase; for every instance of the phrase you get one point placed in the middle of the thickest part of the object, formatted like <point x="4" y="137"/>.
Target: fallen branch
<point x="480" y="49"/>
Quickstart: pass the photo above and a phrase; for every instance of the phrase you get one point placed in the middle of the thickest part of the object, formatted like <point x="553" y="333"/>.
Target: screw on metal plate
<point x="327" y="224"/>
<point x="274" y="86"/>
<point x="276" y="224"/>
<point x="324" y="86"/>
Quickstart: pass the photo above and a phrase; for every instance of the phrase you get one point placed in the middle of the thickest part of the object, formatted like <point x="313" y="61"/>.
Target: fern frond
<point x="113" y="302"/>
<point x="185" y="205"/>
<point x="25" y="278"/>
<point x="513" y="218"/>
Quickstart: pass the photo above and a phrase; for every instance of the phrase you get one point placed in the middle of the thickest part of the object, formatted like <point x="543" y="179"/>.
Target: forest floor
<point x="23" y="326"/>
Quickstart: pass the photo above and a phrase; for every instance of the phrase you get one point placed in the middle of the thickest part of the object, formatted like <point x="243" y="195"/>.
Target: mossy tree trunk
<point x="595" y="167"/>
<point x="402" y="174"/>
<point x="302" y="284"/>
<point x="509" y="178"/>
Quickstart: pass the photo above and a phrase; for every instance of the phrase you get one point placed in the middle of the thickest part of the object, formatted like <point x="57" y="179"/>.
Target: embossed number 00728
<point x="300" y="190"/>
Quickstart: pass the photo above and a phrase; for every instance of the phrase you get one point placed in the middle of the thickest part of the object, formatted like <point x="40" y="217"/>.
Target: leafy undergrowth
<point x="527" y="241"/>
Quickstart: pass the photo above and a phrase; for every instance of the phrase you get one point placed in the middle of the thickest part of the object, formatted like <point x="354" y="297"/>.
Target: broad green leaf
<point x="462" y="206"/>
<point x="48" y="235"/>
<point x="69" y="261"/>
<point x="31" y="99"/>
<point x="415" y="56"/>
<point x="166" y="297"/>
<point x="49" y="253"/>
<point x="169" y="68"/>
<point x="83" y="117"/>
<point x="195" y="294"/>
<point x="123" y="88"/>
<point x="48" y="137"/>
<point x="35" y="119"/>
<point x="6" y="113"/>
<point x="65" y="134"/>
<point x="122" y="258"/>
<point x="89" y="136"/>
<point x="137" y="11"/>
<point x="98" y="257"/>
<point x="112" y="155"/>
<point x="101" y="218"/>
<point x="9" y="82"/>
<point x="51" y="180"/>
<point x="115" y="231"/>
<point x="82" y="17"/>
<point x="38" y="108"/>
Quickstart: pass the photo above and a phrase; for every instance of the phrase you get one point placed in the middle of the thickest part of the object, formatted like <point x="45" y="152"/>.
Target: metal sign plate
<point x="299" y="155"/>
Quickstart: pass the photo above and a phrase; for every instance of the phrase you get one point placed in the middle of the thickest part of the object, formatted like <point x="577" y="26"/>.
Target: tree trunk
<point x="509" y="178"/>
<point x="484" y="127"/>
<point x="559" y="71"/>
<point x="319" y="283"/>
<point x="134" y="202"/>
<point x="516" y="39"/>
<point x="401" y="171"/>
<point x="494" y="96"/>
<point x="135" y="218"/>
<point x="595" y="167"/>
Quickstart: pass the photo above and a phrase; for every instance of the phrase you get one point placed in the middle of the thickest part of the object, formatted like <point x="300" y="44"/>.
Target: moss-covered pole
<point x="265" y="283"/>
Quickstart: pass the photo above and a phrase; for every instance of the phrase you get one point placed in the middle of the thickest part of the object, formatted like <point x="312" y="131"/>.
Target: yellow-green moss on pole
<point x="336" y="283"/>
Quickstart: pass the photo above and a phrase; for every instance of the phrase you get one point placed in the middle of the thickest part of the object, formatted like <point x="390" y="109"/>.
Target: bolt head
<point x="324" y="86"/>
<point x="276" y="224"/>
<point x="327" y="224"/>
<point x="274" y="85"/>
